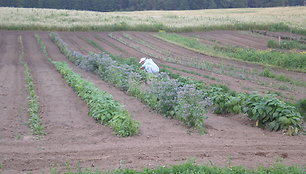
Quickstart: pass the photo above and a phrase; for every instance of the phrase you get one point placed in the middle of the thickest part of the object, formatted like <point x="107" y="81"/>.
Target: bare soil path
<point x="74" y="138"/>
<point x="13" y="93"/>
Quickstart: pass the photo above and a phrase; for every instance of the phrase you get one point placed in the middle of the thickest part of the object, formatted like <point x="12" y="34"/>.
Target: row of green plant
<point x="268" y="73"/>
<point x="268" y="111"/>
<point x="191" y="168"/>
<point x="101" y="105"/>
<point x="163" y="91"/>
<point x="286" y="44"/>
<point x="292" y="61"/>
<point x="33" y="103"/>
<point x="168" y="96"/>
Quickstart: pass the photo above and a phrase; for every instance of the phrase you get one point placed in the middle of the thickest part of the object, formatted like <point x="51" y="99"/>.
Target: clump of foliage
<point x="272" y="113"/>
<point x="191" y="106"/>
<point x="165" y="90"/>
<point x="225" y="102"/>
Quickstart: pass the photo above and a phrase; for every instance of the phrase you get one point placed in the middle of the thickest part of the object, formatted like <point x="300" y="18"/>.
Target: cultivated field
<point x="73" y="138"/>
<point x="111" y="116"/>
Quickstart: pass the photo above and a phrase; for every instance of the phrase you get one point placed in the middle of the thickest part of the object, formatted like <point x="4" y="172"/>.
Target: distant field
<point x="281" y="18"/>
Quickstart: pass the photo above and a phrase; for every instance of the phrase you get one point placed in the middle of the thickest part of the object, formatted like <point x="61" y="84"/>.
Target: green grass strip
<point x="33" y="103"/>
<point x="291" y="61"/>
<point x="268" y="73"/>
<point x="101" y="105"/>
<point x="189" y="168"/>
<point x="286" y="44"/>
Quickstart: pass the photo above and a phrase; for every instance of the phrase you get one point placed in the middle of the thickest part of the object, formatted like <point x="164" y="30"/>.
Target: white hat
<point x="142" y="59"/>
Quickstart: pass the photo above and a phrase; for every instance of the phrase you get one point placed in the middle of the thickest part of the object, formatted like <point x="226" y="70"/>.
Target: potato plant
<point x="272" y="113"/>
<point x="224" y="102"/>
<point x="101" y="105"/>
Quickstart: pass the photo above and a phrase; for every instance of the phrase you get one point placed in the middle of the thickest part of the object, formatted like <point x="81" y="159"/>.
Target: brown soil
<point x="73" y="138"/>
<point x="233" y="38"/>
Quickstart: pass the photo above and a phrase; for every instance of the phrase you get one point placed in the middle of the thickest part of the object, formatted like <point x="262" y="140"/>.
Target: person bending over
<point x="149" y="65"/>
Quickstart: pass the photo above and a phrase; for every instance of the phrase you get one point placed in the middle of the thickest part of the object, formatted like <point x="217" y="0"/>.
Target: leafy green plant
<point x="165" y="90"/>
<point x="191" y="106"/>
<point x="225" y="103"/>
<point x="272" y="113"/>
<point x="101" y="105"/>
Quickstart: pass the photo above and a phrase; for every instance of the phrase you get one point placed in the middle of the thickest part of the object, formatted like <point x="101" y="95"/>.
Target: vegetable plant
<point x="101" y="105"/>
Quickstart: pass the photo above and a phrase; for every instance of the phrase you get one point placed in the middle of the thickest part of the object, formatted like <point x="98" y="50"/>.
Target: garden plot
<point x="238" y="76"/>
<point x="73" y="138"/>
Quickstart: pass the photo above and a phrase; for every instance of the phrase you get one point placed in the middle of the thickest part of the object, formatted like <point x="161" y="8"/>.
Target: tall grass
<point x="279" y="19"/>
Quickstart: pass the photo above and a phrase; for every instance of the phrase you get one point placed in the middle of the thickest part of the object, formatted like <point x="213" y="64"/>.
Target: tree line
<point x="133" y="5"/>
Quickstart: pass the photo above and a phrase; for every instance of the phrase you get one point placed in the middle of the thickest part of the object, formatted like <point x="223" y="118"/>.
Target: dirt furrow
<point x="74" y="39"/>
<point x="13" y="103"/>
<point x="115" y="47"/>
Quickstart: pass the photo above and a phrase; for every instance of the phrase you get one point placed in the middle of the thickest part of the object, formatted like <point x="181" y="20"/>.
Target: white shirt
<point x="150" y="66"/>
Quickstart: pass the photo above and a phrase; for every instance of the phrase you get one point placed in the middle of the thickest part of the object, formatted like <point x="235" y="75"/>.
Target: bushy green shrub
<point x="272" y="113"/>
<point x="191" y="106"/>
<point x="165" y="90"/>
<point x="225" y="102"/>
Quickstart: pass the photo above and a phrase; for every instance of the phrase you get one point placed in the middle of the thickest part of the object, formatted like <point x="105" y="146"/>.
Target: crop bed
<point x="73" y="138"/>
